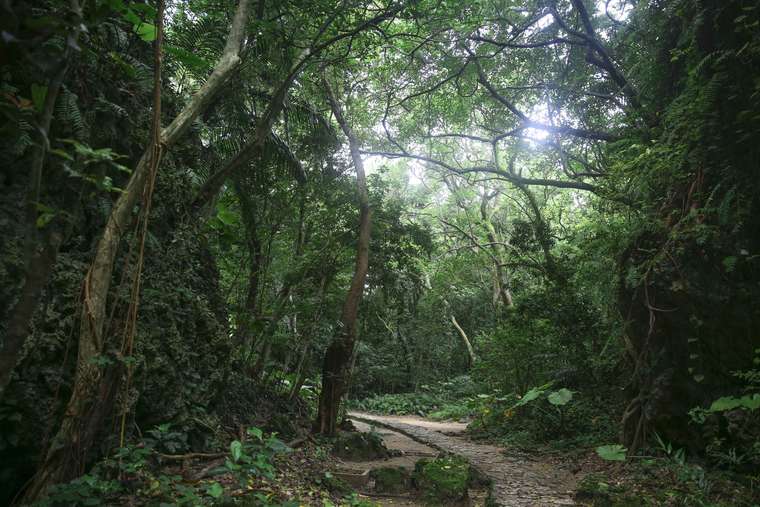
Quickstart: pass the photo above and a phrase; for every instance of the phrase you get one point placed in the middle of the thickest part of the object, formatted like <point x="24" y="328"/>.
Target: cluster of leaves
<point x="562" y="419"/>
<point x="136" y="471"/>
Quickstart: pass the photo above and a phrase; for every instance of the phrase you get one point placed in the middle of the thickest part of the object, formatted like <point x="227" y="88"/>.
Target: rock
<point x="358" y="479"/>
<point x="391" y="480"/>
<point x="357" y="446"/>
<point x="444" y="480"/>
<point x="335" y="484"/>
<point x="347" y="425"/>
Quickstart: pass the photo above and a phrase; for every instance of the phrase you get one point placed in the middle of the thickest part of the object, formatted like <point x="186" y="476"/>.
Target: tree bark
<point x="337" y="360"/>
<point x="470" y="351"/>
<point x="70" y="443"/>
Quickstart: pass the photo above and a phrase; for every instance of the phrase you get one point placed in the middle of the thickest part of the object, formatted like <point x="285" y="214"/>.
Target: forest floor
<point x="515" y="480"/>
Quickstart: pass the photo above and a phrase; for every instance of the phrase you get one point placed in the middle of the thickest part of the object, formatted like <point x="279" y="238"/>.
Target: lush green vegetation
<point x="537" y="216"/>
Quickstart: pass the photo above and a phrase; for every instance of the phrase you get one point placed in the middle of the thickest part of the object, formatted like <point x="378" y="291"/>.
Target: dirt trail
<point x="517" y="481"/>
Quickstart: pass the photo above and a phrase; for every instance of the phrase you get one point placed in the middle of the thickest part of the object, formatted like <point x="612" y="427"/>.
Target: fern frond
<point x="68" y="114"/>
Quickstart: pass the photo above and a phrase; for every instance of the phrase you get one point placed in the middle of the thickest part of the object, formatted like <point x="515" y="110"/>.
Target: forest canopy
<point x="538" y="216"/>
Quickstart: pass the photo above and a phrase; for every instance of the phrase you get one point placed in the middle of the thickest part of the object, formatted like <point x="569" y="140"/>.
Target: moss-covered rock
<point x="335" y="484"/>
<point x="391" y="479"/>
<point x="356" y="446"/>
<point x="443" y="480"/>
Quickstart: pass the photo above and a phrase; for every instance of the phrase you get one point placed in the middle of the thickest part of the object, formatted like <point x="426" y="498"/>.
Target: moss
<point x="336" y="484"/>
<point x="391" y="479"/>
<point x="357" y="446"/>
<point x="442" y="480"/>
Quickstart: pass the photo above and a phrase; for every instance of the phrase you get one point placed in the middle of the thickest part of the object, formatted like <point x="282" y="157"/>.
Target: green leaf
<point x="39" y="93"/>
<point x="561" y="397"/>
<point x="215" y="490"/>
<point x="750" y="402"/>
<point x="614" y="452"/>
<point x="256" y="432"/>
<point x="62" y="154"/>
<point x="146" y="31"/>
<point x="226" y="216"/>
<point x="532" y="395"/>
<point x="44" y="219"/>
<point x="724" y="403"/>
<point x="236" y="449"/>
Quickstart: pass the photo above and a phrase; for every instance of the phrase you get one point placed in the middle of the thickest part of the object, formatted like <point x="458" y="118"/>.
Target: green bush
<point x="580" y="423"/>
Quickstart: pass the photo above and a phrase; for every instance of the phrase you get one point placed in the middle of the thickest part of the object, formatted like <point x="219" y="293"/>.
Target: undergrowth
<point x="452" y="399"/>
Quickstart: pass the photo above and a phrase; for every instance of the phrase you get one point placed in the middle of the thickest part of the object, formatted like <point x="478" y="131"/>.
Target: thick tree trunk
<point x="337" y="361"/>
<point x="71" y="441"/>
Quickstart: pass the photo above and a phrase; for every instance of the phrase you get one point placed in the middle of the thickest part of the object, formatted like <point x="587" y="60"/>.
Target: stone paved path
<point x="516" y="480"/>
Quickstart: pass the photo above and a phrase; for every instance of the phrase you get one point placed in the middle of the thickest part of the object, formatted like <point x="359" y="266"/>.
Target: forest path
<point x="517" y="480"/>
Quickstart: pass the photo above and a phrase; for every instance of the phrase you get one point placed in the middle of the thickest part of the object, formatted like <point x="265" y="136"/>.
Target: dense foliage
<point x="564" y="247"/>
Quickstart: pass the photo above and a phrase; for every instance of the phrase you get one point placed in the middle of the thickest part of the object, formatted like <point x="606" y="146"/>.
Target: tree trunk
<point x="470" y="351"/>
<point x="501" y="278"/>
<point x="253" y="149"/>
<point x="337" y="360"/>
<point x="71" y="441"/>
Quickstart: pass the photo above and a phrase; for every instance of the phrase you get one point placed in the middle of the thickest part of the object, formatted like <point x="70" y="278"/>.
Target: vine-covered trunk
<point x="337" y="362"/>
<point x="70" y="446"/>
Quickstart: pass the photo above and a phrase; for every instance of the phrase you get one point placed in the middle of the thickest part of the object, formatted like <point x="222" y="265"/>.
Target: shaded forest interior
<point x="224" y="224"/>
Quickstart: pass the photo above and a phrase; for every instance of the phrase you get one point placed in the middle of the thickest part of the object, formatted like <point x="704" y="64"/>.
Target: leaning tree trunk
<point x="337" y="360"/>
<point x="468" y="345"/>
<point x="71" y="443"/>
